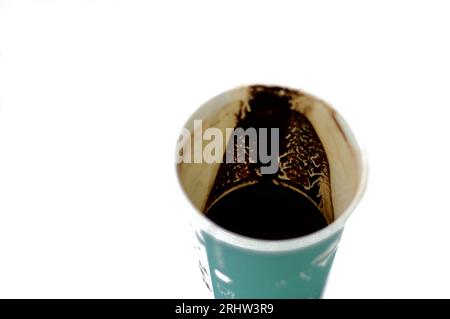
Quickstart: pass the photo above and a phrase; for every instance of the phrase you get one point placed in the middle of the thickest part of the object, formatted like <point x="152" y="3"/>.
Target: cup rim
<point x="269" y="245"/>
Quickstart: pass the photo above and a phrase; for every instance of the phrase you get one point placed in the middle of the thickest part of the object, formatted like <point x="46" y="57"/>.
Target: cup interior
<point x="346" y="163"/>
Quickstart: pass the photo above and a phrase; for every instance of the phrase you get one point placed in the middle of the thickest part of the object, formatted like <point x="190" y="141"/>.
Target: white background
<point x="93" y="97"/>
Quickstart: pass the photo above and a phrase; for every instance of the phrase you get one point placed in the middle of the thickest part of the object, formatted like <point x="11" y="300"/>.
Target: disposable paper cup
<point x="236" y="266"/>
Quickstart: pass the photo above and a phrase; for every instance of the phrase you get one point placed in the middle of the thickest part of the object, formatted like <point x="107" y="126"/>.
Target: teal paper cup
<point x="236" y="266"/>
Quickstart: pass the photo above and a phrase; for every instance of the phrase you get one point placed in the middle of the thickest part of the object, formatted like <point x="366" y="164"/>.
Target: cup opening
<point x="347" y="164"/>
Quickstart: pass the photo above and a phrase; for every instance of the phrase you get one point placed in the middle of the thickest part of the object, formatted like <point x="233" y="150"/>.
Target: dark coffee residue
<point x="294" y="201"/>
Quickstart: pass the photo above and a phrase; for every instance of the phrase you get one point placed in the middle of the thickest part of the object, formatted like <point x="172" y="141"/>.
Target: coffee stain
<point x="338" y="125"/>
<point x="303" y="163"/>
